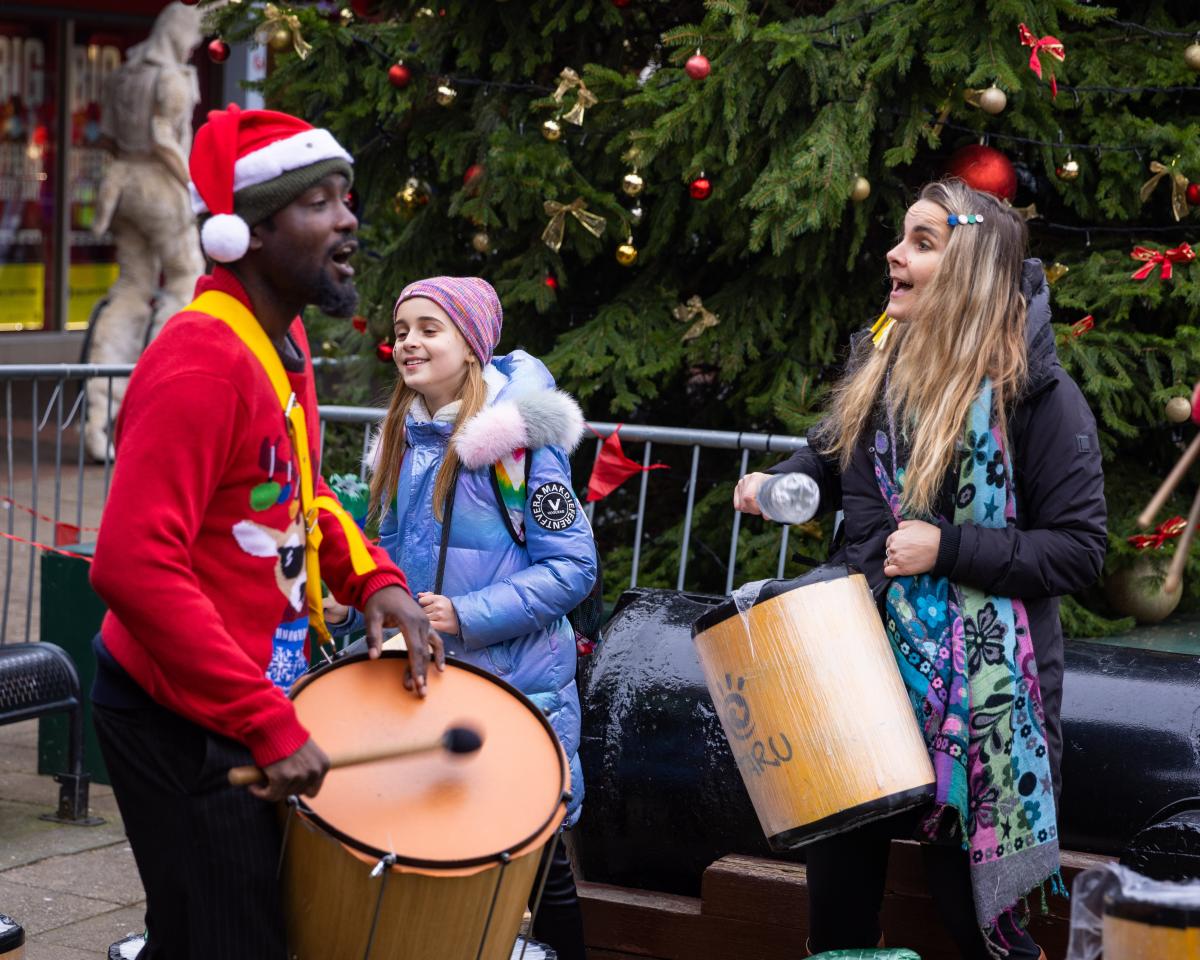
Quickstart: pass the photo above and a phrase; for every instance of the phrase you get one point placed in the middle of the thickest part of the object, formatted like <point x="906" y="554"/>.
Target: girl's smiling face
<point x="914" y="260"/>
<point x="431" y="354"/>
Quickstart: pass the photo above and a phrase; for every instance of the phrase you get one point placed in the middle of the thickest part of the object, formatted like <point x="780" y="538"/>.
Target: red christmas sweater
<point x="200" y="556"/>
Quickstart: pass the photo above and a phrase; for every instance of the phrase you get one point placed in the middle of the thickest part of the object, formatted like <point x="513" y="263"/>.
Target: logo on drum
<point x="553" y="506"/>
<point x="740" y="726"/>
<point x="737" y="710"/>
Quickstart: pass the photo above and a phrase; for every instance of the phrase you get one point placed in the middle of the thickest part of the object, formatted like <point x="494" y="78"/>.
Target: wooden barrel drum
<point x="813" y="706"/>
<point x="1149" y="929"/>
<point x="433" y="855"/>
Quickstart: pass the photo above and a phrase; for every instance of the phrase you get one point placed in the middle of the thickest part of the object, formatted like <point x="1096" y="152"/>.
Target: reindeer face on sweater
<point x="286" y="546"/>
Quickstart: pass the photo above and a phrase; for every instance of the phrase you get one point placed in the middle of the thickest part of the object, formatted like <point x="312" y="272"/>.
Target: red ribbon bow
<point x="1165" y="531"/>
<point x="1080" y="327"/>
<point x="1052" y="45"/>
<point x="1180" y="254"/>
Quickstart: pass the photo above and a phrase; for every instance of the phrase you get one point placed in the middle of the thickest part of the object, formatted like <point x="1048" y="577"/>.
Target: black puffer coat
<point x="1058" y="542"/>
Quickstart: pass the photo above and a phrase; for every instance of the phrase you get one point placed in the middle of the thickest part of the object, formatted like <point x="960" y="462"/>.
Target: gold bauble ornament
<point x="481" y="242"/>
<point x="446" y="94"/>
<point x="551" y="130"/>
<point x="1191" y="56"/>
<point x="1139" y="591"/>
<point x="632" y="183"/>
<point x="860" y="190"/>
<point x="627" y="253"/>
<point x="328" y="348"/>
<point x="1069" y="170"/>
<point x="1179" y="409"/>
<point x="993" y="100"/>
<point x="412" y="196"/>
<point x="280" y="40"/>
<point x="346" y="16"/>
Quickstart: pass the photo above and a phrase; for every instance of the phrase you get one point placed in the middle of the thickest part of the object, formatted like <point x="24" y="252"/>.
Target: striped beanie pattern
<point x="471" y="303"/>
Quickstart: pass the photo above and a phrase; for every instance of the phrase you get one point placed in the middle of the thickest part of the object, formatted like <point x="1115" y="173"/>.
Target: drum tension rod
<point x="382" y="868"/>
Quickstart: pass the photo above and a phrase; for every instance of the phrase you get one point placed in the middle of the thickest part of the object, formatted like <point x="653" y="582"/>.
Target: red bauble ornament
<point x="359" y="323"/>
<point x="1193" y="194"/>
<point x="697" y="66"/>
<point x="1196" y="404"/>
<point x="622" y="4"/>
<point x="473" y="171"/>
<point x="700" y="188"/>
<point x="384" y="352"/>
<point x="218" y="51"/>
<point x="551" y="283"/>
<point x="364" y="8"/>
<point x="399" y="75"/>
<point x="984" y="168"/>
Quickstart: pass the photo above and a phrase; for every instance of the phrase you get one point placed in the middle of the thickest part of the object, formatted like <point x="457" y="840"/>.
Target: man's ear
<point x="256" y="236"/>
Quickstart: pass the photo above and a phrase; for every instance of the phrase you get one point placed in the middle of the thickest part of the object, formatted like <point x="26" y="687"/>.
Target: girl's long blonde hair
<point x="968" y="324"/>
<point x="390" y="445"/>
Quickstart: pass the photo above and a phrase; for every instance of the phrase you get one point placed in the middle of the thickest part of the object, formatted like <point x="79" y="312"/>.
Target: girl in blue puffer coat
<point x="464" y="432"/>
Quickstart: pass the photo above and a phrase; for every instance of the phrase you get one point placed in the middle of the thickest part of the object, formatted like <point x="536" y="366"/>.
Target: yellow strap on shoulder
<point x="242" y="322"/>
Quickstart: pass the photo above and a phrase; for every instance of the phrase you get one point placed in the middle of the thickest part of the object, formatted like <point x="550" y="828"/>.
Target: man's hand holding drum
<point x="394" y="607"/>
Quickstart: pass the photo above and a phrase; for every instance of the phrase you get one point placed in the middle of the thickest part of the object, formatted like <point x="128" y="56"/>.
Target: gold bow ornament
<point x="552" y="236"/>
<point x="692" y="310"/>
<point x="277" y="22"/>
<point x="1179" y="185"/>
<point x="569" y="80"/>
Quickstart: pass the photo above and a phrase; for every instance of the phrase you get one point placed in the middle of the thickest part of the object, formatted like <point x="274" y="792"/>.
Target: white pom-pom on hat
<point x="225" y="237"/>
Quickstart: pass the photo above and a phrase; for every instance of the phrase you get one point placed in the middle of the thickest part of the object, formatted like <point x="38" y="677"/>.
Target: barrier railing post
<point x="641" y="514"/>
<point x="687" y="517"/>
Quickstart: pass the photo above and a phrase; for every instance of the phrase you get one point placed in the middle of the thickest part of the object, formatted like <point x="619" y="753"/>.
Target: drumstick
<point x="1175" y="573"/>
<point x="1146" y="517"/>
<point x="454" y="740"/>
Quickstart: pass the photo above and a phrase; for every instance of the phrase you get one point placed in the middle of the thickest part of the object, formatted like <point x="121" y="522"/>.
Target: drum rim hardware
<point x="499" y="857"/>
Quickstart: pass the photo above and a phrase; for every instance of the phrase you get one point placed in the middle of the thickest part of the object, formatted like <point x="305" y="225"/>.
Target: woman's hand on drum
<point x="745" y="494"/>
<point x="911" y="549"/>
<point x="394" y="607"/>
<point x="335" y="613"/>
<point x="300" y="773"/>
<point x="440" y="611"/>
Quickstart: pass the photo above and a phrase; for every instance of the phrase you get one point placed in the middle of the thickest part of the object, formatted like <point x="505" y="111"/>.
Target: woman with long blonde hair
<point x="967" y="466"/>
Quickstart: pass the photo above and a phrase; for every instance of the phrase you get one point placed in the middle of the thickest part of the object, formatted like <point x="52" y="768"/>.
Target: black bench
<point x="38" y="679"/>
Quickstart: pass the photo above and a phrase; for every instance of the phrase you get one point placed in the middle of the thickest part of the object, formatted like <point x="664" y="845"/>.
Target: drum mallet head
<point x="462" y="740"/>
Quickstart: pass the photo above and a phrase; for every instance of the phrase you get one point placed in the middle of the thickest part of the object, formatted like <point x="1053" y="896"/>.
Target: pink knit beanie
<point x="470" y="302"/>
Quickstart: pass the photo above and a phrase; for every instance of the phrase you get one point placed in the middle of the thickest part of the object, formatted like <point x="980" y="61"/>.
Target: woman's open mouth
<point x="899" y="287"/>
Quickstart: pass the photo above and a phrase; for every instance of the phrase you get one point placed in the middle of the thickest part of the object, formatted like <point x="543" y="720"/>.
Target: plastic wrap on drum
<point x="810" y="699"/>
<point x="1118" y="914"/>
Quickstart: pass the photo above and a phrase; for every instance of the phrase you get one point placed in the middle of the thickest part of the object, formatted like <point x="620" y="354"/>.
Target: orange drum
<point x="812" y="704"/>
<point x="430" y="855"/>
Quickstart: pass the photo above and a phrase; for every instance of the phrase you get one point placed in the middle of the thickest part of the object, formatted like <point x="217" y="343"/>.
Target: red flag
<point x="613" y="468"/>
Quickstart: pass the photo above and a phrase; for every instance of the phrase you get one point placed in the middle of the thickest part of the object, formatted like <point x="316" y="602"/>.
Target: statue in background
<point x="147" y="125"/>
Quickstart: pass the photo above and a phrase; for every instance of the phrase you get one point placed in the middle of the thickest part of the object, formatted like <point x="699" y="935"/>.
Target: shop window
<point x="28" y="104"/>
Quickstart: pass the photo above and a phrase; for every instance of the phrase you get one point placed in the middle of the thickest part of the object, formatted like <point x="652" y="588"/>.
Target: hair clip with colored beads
<point x="958" y="219"/>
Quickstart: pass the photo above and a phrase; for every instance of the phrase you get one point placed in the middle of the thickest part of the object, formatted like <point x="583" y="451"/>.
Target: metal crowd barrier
<point x="53" y="491"/>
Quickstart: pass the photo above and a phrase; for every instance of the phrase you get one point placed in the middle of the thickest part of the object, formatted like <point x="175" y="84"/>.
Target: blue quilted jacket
<point x="511" y="598"/>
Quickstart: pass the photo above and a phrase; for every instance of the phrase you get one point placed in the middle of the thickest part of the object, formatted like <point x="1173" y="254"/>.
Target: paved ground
<point x="75" y="890"/>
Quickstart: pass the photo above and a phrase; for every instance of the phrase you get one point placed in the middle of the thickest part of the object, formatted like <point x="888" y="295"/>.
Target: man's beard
<point x="334" y="298"/>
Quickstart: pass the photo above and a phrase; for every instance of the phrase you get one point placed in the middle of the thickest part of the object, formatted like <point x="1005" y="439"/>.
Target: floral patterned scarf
<point x="967" y="660"/>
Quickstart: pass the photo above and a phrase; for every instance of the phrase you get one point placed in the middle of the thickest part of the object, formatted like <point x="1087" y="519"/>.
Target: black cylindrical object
<point x="1169" y="848"/>
<point x="12" y="939"/>
<point x="664" y="797"/>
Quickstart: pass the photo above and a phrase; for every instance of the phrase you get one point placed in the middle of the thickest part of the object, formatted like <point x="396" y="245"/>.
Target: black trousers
<point x="559" y="920"/>
<point x="846" y="876"/>
<point x="208" y="853"/>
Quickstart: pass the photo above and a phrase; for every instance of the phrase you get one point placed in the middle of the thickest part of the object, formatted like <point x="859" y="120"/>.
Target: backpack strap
<point x="510" y="484"/>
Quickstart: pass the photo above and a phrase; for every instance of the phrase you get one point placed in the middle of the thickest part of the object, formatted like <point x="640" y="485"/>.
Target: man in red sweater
<point x="205" y="557"/>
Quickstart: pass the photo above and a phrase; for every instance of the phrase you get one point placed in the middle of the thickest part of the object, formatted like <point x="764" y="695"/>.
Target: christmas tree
<point x="685" y="206"/>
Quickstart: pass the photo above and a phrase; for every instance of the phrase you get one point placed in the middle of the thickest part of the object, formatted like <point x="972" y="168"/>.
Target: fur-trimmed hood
<point x="517" y="416"/>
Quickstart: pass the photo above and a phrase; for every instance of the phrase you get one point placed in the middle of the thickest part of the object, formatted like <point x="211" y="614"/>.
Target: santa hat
<point x="249" y="164"/>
